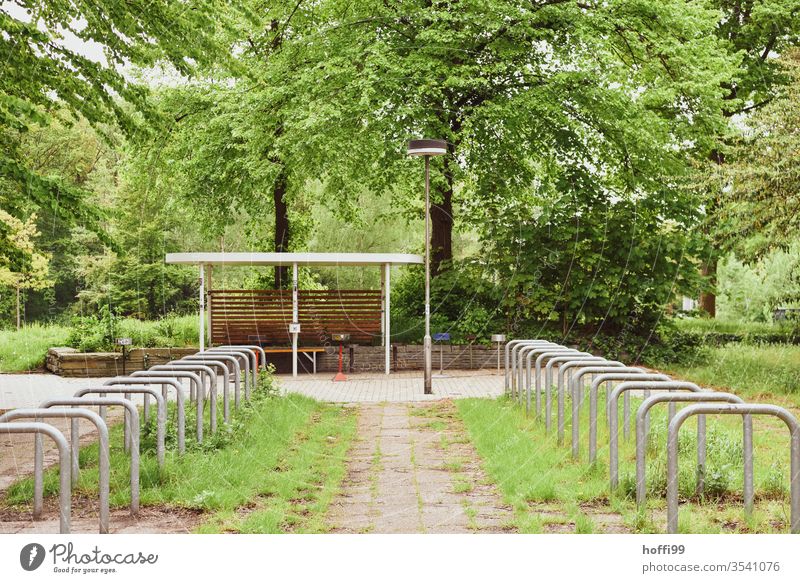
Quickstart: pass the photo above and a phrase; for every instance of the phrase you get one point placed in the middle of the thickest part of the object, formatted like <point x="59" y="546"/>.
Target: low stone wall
<point x="69" y="362"/>
<point x="406" y="357"/>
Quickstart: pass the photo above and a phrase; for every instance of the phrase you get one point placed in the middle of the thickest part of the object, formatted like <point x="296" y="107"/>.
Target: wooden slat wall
<point x="263" y="316"/>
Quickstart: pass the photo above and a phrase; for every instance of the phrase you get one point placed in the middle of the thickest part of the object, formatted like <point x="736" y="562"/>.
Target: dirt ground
<point x="16" y="462"/>
<point x="85" y="519"/>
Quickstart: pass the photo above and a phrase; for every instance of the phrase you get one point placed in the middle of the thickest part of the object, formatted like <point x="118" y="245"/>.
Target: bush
<point x="97" y="333"/>
<point x="93" y="333"/>
<point x="462" y="304"/>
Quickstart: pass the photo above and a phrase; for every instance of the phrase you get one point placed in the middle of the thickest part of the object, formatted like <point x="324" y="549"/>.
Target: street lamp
<point x="427" y="148"/>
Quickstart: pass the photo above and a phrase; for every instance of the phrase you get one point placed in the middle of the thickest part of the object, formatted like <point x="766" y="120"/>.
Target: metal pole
<point x="387" y="329"/>
<point x="209" y="287"/>
<point x="295" y="319"/>
<point x="202" y="331"/>
<point x="427" y="340"/>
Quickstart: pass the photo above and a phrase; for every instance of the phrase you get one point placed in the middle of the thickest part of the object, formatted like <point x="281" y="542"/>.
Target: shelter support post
<point x="209" y="287"/>
<point x="387" y="330"/>
<point x="202" y="314"/>
<point x="295" y="319"/>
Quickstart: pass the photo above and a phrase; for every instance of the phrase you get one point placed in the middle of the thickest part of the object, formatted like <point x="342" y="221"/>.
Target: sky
<point x="156" y="76"/>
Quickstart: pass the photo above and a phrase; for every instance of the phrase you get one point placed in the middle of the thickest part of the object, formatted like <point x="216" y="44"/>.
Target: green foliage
<point x="93" y="333"/>
<point x="759" y="208"/>
<point x="98" y="332"/>
<point x="461" y="303"/>
<point x="41" y="72"/>
<point x="752" y="292"/>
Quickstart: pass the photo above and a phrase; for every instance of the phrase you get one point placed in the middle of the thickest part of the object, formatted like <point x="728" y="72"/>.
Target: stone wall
<point x="69" y="362"/>
<point x="406" y="357"/>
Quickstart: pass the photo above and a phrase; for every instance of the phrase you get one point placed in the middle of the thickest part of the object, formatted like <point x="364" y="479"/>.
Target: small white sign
<point x="124" y="341"/>
<point x="294" y="328"/>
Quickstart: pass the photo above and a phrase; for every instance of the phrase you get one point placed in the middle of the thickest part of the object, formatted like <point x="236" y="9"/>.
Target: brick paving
<point x="400" y="387"/>
<point x="413" y="470"/>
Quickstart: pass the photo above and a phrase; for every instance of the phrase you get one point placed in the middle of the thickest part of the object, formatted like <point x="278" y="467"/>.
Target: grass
<point x="167" y="332"/>
<point x="769" y="372"/>
<point x="721" y="326"/>
<point x="26" y="349"/>
<point x="546" y="487"/>
<point x="276" y="470"/>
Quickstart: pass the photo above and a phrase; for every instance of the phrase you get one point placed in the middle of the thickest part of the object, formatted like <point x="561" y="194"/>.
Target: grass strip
<point x="546" y="487"/>
<point x="282" y="457"/>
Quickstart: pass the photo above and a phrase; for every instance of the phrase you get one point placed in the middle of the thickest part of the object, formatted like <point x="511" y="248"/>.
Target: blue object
<point x="441" y="337"/>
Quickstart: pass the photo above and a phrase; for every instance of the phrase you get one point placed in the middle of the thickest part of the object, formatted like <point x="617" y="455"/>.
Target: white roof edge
<point x="248" y="258"/>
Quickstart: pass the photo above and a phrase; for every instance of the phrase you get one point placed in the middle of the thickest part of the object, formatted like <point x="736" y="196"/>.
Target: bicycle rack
<point x="576" y="392"/>
<point x="607" y="378"/>
<point x="45" y="412"/>
<point x="736" y="409"/>
<point x="164" y="382"/>
<point x="540" y="352"/>
<point x="520" y="371"/>
<point x="509" y="348"/>
<point x="564" y="381"/>
<point x="132" y="417"/>
<point x="252" y="348"/>
<point x="195" y="383"/>
<point x="613" y="410"/>
<point x="248" y="366"/>
<point x="225" y="373"/>
<point x="672" y="398"/>
<point x="209" y="374"/>
<point x="65" y="487"/>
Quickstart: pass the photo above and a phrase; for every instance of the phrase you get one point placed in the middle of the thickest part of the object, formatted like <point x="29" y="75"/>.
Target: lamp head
<point x="427" y="147"/>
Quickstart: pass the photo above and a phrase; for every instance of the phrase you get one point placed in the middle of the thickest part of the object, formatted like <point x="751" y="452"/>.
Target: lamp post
<point x="427" y="148"/>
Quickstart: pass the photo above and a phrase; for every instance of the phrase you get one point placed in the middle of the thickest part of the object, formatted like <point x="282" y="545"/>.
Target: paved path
<point x="397" y="387"/>
<point x="413" y="470"/>
<point x="28" y="390"/>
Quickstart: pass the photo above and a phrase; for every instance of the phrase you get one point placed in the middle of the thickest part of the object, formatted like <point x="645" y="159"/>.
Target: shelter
<point x="272" y="317"/>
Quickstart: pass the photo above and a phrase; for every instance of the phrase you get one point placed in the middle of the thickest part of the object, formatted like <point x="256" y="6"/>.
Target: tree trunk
<point x="708" y="269"/>
<point x="708" y="299"/>
<point x="19" y="321"/>
<point x="282" y="231"/>
<point x="442" y="223"/>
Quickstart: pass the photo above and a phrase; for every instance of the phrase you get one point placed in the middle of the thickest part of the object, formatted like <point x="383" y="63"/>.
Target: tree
<point x="512" y="87"/>
<point x="42" y="70"/>
<point x="24" y="267"/>
<point x="760" y="210"/>
<point x="758" y="30"/>
<point x="225" y="146"/>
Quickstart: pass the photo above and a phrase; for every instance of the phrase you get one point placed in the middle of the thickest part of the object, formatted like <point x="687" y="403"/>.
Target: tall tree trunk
<point x="708" y="269"/>
<point x="708" y="299"/>
<point x="19" y="320"/>
<point x="282" y="230"/>
<point x="442" y="222"/>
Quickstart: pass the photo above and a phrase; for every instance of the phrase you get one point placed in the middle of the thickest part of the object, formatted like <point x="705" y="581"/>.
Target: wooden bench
<point x="305" y="350"/>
